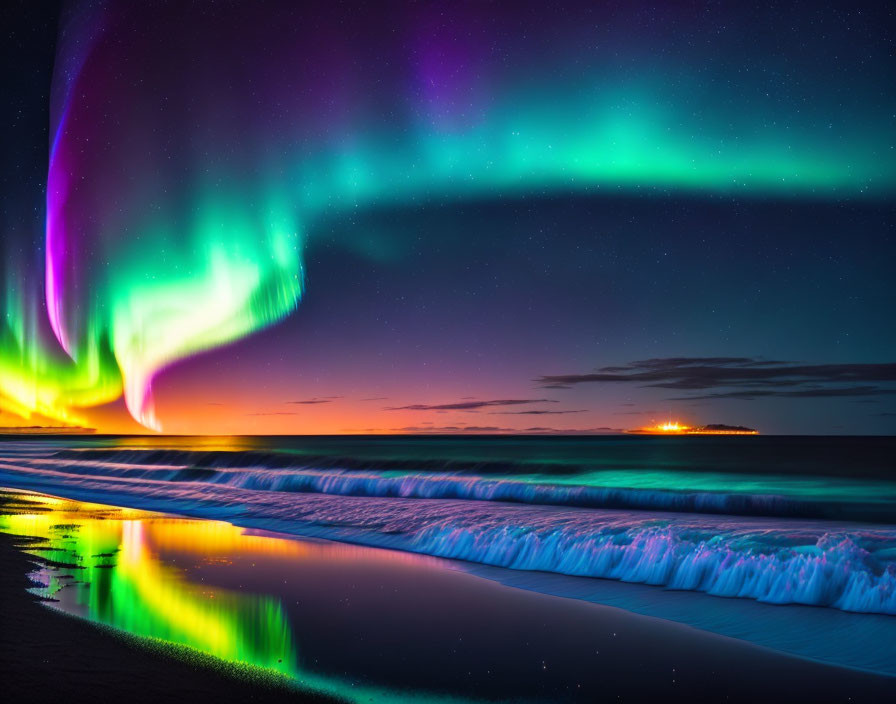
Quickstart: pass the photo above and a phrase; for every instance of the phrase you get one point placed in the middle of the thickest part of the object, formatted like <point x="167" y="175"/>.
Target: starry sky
<point x="274" y="217"/>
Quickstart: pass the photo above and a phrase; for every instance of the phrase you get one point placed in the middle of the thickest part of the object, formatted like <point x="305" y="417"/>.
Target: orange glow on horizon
<point x="671" y="427"/>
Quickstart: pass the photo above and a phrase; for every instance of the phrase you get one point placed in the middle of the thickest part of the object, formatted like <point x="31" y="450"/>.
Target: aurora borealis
<point x="207" y="168"/>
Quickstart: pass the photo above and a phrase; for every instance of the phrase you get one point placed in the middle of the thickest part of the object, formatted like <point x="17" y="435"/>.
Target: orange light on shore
<point x="675" y="428"/>
<point x="671" y="427"/>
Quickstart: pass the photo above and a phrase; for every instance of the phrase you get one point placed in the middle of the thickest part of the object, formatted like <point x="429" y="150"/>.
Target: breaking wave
<point x="463" y="480"/>
<point x="835" y="571"/>
<point x="769" y="548"/>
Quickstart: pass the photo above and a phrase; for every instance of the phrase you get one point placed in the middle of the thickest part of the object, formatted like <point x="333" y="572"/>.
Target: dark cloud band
<point x="742" y="378"/>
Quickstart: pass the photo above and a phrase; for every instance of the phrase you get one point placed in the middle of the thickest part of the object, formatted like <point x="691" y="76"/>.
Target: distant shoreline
<point x="46" y="430"/>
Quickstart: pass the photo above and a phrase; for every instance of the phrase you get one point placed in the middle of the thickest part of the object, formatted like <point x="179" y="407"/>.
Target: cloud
<point x="575" y="431"/>
<point x="799" y="393"/>
<point x="742" y="378"/>
<point x="313" y="401"/>
<point x="534" y="413"/>
<point x="453" y="429"/>
<point x="469" y="405"/>
<point x="275" y="413"/>
<point x="376" y="398"/>
<point x="460" y="429"/>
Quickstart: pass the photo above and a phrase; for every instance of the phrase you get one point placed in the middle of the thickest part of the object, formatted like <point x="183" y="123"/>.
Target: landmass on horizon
<point x="46" y="430"/>
<point x="668" y="428"/>
<point x="676" y="428"/>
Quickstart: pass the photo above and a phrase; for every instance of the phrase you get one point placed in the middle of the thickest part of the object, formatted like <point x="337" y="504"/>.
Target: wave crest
<point x="837" y="573"/>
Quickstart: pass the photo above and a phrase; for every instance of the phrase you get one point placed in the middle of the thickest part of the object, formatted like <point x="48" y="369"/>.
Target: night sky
<point x="488" y="217"/>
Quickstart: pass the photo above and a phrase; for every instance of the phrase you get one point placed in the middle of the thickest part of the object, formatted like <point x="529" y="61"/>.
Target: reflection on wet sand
<point x="135" y="571"/>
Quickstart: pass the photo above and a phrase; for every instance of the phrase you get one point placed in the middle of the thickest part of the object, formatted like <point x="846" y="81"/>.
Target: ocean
<point x="786" y="542"/>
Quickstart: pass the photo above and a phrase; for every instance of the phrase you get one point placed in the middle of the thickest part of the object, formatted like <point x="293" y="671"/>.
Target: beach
<point x="346" y="622"/>
<point x="48" y="656"/>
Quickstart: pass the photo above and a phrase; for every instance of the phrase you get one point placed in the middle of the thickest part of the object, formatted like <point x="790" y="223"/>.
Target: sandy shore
<point x="411" y="624"/>
<point x="48" y="656"/>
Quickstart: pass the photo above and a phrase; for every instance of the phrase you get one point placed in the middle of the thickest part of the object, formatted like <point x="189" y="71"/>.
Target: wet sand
<point x="394" y="621"/>
<point x="47" y="656"/>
